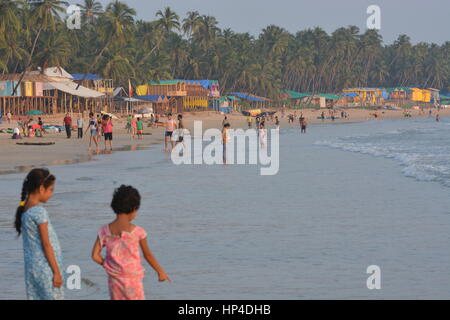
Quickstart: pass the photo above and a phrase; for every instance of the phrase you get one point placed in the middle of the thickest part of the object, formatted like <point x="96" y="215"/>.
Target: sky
<point x="421" y="20"/>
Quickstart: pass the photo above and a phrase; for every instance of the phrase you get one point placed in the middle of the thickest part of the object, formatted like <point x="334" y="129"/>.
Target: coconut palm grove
<point x="113" y="43"/>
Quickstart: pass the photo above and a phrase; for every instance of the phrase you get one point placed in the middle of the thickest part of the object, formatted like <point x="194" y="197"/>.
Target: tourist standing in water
<point x="262" y="135"/>
<point x="42" y="252"/>
<point x="180" y="129"/>
<point x="303" y="124"/>
<point x="170" y="127"/>
<point x="225" y="141"/>
<point x="277" y="123"/>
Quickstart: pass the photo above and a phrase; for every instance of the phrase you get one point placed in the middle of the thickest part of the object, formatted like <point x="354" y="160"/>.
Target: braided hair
<point x="35" y="179"/>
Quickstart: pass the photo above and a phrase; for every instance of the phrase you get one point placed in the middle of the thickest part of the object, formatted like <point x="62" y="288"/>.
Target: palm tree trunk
<point x="29" y="58"/>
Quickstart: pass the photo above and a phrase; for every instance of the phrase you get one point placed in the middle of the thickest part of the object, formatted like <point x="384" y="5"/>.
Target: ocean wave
<point x="424" y="160"/>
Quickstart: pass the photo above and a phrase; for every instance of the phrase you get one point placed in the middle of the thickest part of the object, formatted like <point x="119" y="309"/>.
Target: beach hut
<point x="183" y="95"/>
<point x="367" y="96"/>
<point x="253" y="101"/>
<point x="94" y="82"/>
<point x="28" y="96"/>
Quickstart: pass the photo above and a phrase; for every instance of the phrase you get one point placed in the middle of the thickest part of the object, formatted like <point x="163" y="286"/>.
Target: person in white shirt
<point x="80" y="126"/>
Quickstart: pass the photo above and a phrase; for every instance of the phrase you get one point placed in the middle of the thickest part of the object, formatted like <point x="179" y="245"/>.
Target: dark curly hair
<point x="126" y="199"/>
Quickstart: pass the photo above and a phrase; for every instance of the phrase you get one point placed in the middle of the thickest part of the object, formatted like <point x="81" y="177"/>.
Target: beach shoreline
<point x="19" y="158"/>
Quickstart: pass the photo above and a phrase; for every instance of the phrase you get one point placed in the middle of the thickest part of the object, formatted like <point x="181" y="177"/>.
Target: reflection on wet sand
<point x="85" y="158"/>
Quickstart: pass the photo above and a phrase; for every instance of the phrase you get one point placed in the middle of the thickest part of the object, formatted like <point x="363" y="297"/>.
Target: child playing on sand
<point x="123" y="240"/>
<point x="42" y="252"/>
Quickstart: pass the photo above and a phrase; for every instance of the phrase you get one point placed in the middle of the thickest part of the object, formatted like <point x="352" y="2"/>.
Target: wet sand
<point x="19" y="158"/>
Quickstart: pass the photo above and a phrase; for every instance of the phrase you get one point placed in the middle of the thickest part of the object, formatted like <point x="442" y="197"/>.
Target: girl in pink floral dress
<point x="123" y="242"/>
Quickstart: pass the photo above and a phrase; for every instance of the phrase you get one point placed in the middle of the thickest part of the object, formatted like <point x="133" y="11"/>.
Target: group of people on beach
<point x="123" y="242"/>
<point x="98" y="126"/>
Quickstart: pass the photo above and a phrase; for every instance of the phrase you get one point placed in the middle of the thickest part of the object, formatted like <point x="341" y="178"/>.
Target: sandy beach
<point x="19" y="158"/>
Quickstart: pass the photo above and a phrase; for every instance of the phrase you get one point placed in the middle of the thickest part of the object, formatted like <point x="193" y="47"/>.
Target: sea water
<point x="347" y="196"/>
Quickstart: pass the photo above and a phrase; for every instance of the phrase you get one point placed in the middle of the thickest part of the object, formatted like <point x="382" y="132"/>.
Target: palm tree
<point x="191" y="23"/>
<point x="117" y="24"/>
<point x="45" y="13"/>
<point x="91" y="10"/>
<point x="206" y="32"/>
<point x="10" y="27"/>
<point x="168" y="20"/>
<point x="54" y="50"/>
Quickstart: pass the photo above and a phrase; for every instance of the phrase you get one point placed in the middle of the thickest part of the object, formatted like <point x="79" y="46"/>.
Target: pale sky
<point x="421" y="20"/>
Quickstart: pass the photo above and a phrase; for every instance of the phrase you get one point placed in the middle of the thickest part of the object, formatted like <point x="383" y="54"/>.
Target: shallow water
<point x="346" y="197"/>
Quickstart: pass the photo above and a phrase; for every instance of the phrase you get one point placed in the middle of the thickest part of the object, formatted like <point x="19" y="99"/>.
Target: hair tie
<point x="22" y="204"/>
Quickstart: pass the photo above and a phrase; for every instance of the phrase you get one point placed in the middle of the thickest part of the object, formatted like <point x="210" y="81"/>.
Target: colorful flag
<point x="130" y="89"/>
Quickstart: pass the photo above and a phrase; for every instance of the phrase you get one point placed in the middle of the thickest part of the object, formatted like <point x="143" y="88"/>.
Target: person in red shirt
<point x="107" y="126"/>
<point x="68" y="124"/>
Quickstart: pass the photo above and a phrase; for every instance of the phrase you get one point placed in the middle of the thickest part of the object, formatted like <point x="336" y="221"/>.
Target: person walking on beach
<point x="68" y="125"/>
<point x="170" y="128"/>
<point x="249" y="122"/>
<point x="140" y="128"/>
<point x="42" y="252"/>
<point x="93" y="129"/>
<point x="129" y="117"/>
<point x="107" y="126"/>
<point x="180" y="129"/>
<point x="8" y="117"/>
<point x="100" y="127"/>
<point x="277" y="123"/>
<point x="80" y="126"/>
<point x="225" y="141"/>
<point x="133" y="127"/>
<point x="123" y="242"/>
<point x="438" y="118"/>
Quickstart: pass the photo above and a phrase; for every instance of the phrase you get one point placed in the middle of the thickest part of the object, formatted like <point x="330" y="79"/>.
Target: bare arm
<point x="96" y="252"/>
<point x="148" y="255"/>
<point x="50" y="254"/>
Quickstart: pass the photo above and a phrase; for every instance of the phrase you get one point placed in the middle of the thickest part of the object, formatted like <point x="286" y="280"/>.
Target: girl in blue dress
<point x="42" y="252"/>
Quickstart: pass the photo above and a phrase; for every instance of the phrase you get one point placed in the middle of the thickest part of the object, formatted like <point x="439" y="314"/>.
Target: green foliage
<point x="114" y="44"/>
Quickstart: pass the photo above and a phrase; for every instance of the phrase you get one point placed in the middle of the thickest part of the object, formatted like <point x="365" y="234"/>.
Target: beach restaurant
<point x="252" y="101"/>
<point x="177" y="96"/>
<point x="50" y="92"/>
<point x="322" y="100"/>
<point x="366" y="96"/>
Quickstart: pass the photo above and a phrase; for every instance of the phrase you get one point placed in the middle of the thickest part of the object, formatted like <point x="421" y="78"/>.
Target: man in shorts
<point x="107" y="131"/>
<point x="171" y="125"/>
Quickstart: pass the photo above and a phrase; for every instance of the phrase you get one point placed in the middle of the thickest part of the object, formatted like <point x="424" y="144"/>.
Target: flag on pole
<point x="130" y="89"/>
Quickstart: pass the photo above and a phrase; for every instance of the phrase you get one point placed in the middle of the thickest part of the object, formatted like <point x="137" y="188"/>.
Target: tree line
<point x="113" y="43"/>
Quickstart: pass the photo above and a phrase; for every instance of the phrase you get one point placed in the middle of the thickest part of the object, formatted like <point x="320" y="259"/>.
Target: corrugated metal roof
<point x="88" y="76"/>
<point x="249" y="97"/>
<point x="151" y="97"/>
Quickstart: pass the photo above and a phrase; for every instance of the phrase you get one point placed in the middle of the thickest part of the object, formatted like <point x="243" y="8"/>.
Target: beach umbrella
<point x="35" y="113"/>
